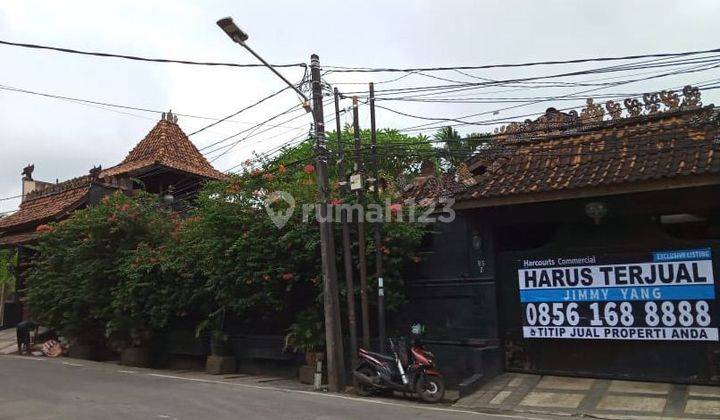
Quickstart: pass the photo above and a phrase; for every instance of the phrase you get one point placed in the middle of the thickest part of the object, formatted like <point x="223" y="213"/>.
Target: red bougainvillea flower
<point x="268" y="177"/>
<point x="113" y="217"/>
<point x="309" y="168"/>
<point x="336" y="201"/>
<point x="395" y="208"/>
<point x="288" y="276"/>
<point x="234" y="188"/>
<point x="256" y="172"/>
<point x="247" y="162"/>
<point x="281" y="168"/>
<point x="44" y="228"/>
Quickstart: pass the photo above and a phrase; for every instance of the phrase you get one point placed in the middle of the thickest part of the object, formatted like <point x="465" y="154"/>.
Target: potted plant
<point x="132" y="342"/>
<point x="307" y="335"/>
<point x="82" y="346"/>
<point x="221" y="359"/>
<point x="219" y="344"/>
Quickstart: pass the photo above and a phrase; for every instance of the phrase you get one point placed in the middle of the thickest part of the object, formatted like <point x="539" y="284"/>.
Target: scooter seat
<point x="379" y="356"/>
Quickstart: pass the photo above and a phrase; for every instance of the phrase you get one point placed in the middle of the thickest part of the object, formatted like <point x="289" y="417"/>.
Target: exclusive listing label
<point x="664" y="295"/>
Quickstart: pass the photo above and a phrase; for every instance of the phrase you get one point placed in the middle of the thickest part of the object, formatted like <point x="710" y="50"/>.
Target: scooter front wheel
<point x="430" y="388"/>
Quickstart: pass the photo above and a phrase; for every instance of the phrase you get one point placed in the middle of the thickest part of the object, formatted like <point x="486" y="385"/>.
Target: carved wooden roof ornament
<point x="28" y="171"/>
<point x="691" y="97"/>
<point x="670" y="99"/>
<point x="652" y="104"/>
<point x="592" y="112"/>
<point x="170" y="117"/>
<point x="614" y="109"/>
<point x="95" y="172"/>
<point x="633" y="106"/>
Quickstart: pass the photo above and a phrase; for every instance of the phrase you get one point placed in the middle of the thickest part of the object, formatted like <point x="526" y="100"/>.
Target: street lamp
<point x="239" y="36"/>
<point x="333" y="329"/>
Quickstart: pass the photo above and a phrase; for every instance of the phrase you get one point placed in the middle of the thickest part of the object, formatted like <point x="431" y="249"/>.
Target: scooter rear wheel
<point x="361" y="388"/>
<point x="430" y="388"/>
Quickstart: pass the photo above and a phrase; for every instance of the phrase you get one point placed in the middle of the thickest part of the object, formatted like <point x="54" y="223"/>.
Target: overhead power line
<point x="139" y="58"/>
<point x="10" y="198"/>
<point x="341" y="69"/>
<point x="134" y="108"/>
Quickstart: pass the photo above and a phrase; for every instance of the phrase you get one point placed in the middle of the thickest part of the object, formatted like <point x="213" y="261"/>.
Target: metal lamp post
<point x="333" y="330"/>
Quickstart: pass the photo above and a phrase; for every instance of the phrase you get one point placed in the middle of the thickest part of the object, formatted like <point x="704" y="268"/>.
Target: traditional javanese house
<point x="164" y="162"/>
<point x="584" y="244"/>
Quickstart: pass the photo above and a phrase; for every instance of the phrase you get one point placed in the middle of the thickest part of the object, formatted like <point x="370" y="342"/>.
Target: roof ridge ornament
<point x="653" y="103"/>
<point x="95" y="172"/>
<point x="691" y="97"/>
<point x="28" y="171"/>
<point x="169" y="117"/>
<point x="592" y="112"/>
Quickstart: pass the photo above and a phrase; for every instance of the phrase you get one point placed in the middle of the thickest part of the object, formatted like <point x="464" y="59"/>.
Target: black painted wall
<point x="633" y="225"/>
<point x="452" y="292"/>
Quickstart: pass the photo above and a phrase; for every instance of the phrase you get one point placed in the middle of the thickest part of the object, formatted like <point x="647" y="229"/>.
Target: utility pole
<point x="333" y="329"/>
<point x="377" y="237"/>
<point x="361" y="228"/>
<point x="347" y="252"/>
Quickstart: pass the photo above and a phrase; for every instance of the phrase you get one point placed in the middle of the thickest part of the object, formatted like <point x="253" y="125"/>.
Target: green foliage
<point x="457" y="149"/>
<point x="106" y="272"/>
<point x="255" y="269"/>
<point x="126" y="268"/>
<point x="307" y="333"/>
<point x="8" y="261"/>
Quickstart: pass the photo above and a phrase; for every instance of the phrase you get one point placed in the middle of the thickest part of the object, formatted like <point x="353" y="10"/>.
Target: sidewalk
<point x="565" y="396"/>
<point x="8" y="341"/>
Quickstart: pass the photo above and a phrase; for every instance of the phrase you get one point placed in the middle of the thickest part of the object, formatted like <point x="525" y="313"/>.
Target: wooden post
<point x="333" y="327"/>
<point x="377" y="234"/>
<point x="361" y="229"/>
<point x="347" y="250"/>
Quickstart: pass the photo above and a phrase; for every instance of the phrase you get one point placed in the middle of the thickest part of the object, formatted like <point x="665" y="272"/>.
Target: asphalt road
<point x="32" y="388"/>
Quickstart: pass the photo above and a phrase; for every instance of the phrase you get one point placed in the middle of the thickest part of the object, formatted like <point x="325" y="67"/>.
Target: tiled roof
<point x="429" y="189"/>
<point x="167" y="145"/>
<point x="47" y="207"/>
<point x="676" y="144"/>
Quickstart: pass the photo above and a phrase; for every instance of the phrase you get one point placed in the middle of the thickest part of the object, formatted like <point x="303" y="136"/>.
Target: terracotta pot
<point x="220" y="347"/>
<point x="82" y="351"/>
<point x="312" y="357"/>
<point x="135" y="356"/>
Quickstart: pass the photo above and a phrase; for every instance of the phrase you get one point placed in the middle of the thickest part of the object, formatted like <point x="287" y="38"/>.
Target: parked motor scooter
<point x="411" y="370"/>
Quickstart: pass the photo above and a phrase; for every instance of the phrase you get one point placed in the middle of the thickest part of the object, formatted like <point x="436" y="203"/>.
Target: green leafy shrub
<point x="105" y="272"/>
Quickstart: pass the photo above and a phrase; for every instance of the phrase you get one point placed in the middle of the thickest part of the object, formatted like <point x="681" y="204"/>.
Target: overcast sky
<point x="65" y="139"/>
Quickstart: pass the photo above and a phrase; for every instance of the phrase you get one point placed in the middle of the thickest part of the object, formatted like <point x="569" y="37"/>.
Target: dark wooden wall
<point x="633" y="224"/>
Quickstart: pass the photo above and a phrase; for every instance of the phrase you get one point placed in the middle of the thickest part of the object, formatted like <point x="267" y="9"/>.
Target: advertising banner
<point x="662" y="295"/>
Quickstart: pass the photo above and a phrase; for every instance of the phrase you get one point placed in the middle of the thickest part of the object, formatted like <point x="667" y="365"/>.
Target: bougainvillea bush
<point x="129" y="266"/>
<point x="104" y="272"/>
<point x="257" y="269"/>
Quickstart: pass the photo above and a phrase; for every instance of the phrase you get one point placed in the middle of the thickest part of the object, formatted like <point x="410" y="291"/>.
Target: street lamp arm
<point x="295" y="88"/>
<point x="239" y="36"/>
